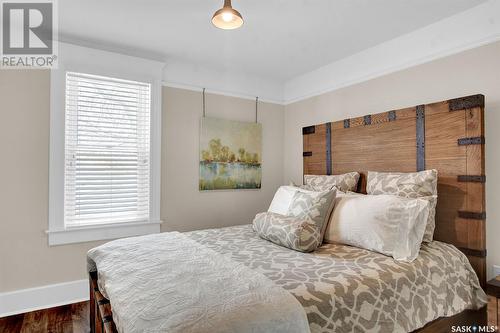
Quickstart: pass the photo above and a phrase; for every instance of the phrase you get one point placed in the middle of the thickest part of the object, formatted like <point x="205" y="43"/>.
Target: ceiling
<point x="279" y="40"/>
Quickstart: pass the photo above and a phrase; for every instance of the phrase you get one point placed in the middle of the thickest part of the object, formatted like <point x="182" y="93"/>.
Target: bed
<point x="342" y="288"/>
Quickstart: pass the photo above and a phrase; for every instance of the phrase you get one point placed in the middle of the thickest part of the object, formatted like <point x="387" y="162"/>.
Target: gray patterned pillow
<point x="289" y="231"/>
<point x="303" y="187"/>
<point x="345" y="182"/>
<point x="313" y="206"/>
<point x="421" y="184"/>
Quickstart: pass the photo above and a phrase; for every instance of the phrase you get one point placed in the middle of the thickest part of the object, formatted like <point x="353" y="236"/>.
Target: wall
<point x="467" y="73"/>
<point x="27" y="261"/>
<point x="25" y="258"/>
<point x="183" y="207"/>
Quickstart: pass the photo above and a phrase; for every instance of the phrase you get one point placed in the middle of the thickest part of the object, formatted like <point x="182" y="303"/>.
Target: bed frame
<point x="447" y="136"/>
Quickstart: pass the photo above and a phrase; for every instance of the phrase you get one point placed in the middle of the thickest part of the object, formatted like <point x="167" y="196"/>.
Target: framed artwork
<point x="230" y="155"/>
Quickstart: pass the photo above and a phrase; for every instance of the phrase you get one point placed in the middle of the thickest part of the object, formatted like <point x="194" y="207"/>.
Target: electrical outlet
<point x="496" y="270"/>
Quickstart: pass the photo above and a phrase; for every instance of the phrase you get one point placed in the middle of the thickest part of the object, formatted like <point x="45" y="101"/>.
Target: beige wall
<point x="183" y="207"/>
<point x="25" y="258"/>
<point x="472" y="72"/>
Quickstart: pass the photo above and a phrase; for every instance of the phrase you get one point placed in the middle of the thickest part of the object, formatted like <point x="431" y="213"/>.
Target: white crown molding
<point x="219" y="92"/>
<point x="184" y="75"/>
<point x="475" y="27"/>
<point x="31" y="299"/>
<point x="99" y="61"/>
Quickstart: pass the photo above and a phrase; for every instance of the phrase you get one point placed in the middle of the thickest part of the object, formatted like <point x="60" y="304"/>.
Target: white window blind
<point x="107" y="150"/>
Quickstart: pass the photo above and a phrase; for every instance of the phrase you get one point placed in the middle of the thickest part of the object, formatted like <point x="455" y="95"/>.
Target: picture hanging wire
<point x="256" y="107"/>
<point x="203" y="102"/>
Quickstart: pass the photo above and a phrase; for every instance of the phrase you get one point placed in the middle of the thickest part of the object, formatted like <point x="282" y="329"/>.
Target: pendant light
<point x="227" y="18"/>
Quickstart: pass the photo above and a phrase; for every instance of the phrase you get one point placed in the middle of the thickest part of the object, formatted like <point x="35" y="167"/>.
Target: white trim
<point x="92" y="61"/>
<point x="102" y="232"/>
<point x="472" y="28"/>
<point x="155" y="147"/>
<point x="185" y="75"/>
<point x="188" y="76"/>
<point x="219" y="92"/>
<point x="31" y="299"/>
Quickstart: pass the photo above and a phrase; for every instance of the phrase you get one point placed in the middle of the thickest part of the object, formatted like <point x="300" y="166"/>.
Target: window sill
<point x="102" y="232"/>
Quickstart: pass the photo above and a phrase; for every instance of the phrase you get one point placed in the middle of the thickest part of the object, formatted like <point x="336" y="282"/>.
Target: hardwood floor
<point x="73" y="318"/>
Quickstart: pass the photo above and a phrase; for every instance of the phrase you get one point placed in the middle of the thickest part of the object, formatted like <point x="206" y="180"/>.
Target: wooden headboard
<point x="447" y="136"/>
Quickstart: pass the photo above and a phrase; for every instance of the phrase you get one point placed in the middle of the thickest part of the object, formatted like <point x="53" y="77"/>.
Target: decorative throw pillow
<point x="282" y="199"/>
<point x="313" y="206"/>
<point x="289" y="231"/>
<point x="421" y="184"/>
<point x="345" y="182"/>
<point x="302" y="187"/>
<point x="408" y="185"/>
<point x="387" y="224"/>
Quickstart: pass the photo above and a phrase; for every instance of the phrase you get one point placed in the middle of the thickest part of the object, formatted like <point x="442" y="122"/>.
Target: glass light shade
<point x="227" y="18"/>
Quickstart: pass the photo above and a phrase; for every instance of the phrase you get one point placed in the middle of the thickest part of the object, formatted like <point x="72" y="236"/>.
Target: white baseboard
<point x="31" y="299"/>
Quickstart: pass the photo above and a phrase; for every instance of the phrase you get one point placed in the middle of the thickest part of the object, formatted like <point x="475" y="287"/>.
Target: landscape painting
<point x="230" y="155"/>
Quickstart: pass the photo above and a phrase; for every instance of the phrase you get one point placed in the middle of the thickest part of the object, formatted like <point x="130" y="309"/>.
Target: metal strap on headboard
<point x="447" y="136"/>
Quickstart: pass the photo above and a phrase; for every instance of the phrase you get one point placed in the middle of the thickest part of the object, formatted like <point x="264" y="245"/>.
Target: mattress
<point x="347" y="289"/>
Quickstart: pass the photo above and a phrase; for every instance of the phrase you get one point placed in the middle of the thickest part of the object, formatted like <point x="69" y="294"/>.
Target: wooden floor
<point x="75" y="318"/>
<point x="67" y="319"/>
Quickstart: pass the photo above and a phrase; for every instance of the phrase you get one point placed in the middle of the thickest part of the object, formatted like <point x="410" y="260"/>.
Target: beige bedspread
<point x="346" y="289"/>
<point x="341" y="288"/>
<point x="169" y="283"/>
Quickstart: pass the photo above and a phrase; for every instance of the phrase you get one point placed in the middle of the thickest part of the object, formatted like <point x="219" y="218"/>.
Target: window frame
<point x="97" y="62"/>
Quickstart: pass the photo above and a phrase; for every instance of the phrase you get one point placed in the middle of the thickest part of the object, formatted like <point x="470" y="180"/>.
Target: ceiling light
<point x="227" y="18"/>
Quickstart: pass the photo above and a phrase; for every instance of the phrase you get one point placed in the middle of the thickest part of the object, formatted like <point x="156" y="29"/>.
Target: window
<point x="107" y="150"/>
<point x="105" y="137"/>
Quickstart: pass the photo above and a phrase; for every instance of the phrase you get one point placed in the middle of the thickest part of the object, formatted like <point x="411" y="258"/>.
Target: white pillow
<point x="282" y="200"/>
<point x="387" y="224"/>
<point x="422" y="184"/>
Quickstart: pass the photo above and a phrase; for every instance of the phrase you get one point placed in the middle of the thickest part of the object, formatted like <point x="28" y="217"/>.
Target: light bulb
<point x="227" y="17"/>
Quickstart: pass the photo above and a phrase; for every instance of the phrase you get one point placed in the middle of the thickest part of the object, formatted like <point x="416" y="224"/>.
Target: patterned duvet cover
<point x="347" y="289"/>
